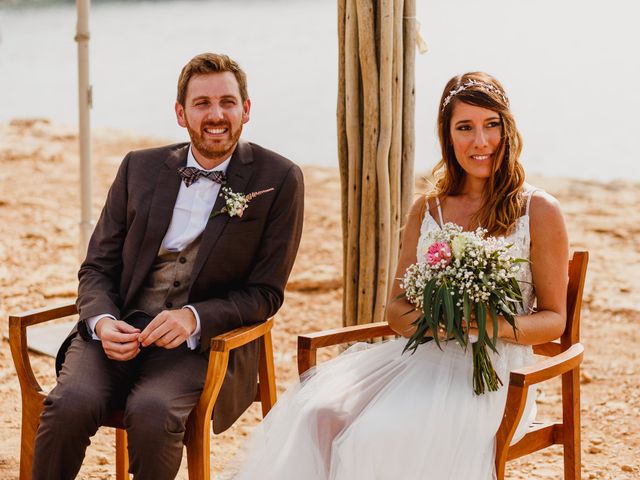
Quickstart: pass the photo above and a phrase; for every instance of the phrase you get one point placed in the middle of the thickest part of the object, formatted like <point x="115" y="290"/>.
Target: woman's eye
<point x="493" y="124"/>
<point x="464" y="128"/>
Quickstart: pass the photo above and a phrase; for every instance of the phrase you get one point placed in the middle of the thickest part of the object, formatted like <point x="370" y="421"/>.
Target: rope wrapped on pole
<point x="375" y="147"/>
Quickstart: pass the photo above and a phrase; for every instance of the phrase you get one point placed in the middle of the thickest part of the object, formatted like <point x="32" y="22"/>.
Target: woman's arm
<point x="397" y="308"/>
<point x="549" y="267"/>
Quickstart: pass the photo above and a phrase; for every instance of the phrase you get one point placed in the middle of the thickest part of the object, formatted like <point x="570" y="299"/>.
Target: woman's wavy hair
<point x="503" y="193"/>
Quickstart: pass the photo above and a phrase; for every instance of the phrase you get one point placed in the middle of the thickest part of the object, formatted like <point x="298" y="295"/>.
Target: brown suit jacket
<point x="242" y="265"/>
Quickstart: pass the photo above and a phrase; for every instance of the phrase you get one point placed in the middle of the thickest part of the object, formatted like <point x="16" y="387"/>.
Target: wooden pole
<point x="343" y="156"/>
<point x="376" y="171"/>
<point x="382" y="156"/>
<point x="395" y="155"/>
<point x="353" y="126"/>
<point x="408" y="107"/>
<point x="371" y="117"/>
<point x="84" y="107"/>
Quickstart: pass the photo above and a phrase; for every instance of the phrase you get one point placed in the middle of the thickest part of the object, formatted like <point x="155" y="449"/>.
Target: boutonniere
<point x="236" y="203"/>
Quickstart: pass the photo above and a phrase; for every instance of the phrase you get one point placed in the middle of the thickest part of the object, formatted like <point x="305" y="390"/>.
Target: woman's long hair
<point x="503" y="193"/>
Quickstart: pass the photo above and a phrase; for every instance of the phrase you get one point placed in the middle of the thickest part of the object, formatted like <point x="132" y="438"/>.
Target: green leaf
<point x="466" y="311"/>
<point x="437" y="305"/>
<point x="448" y="309"/>
<point x="466" y="307"/>
<point x="428" y="296"/>
<point x="494" y="318"/>
<point x="458" y="332"/>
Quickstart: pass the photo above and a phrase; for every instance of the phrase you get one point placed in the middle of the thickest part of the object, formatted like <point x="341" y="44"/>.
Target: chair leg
<point x="122" y="456"/>
<point x="571" y="421"/>
<point x="266" y="374"/>
<point x="31" y="410"/>
<point x="198" y="433"/>
<point x="197" y="441"/>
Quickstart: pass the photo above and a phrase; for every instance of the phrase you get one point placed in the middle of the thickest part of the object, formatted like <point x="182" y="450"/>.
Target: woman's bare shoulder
<point x="543" y="204"/>
<point x="419" y="206"/>
<point x="545" y="216"/>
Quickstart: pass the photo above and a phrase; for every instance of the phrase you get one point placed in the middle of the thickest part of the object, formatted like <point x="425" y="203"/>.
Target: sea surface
<point x="570" y="68"/>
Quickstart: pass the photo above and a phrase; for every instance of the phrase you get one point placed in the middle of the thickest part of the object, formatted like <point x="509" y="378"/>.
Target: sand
<point x="39" y="236"/>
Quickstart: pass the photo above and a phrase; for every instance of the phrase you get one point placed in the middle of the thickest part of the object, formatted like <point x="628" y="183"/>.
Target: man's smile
<point x="216" y="130"/>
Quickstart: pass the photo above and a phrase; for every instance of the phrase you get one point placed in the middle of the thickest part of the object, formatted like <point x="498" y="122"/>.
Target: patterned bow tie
<point x="191" y="174"/>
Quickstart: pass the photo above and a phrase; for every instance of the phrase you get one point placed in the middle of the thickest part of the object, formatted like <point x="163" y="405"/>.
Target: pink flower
<point x="438" y="254"/>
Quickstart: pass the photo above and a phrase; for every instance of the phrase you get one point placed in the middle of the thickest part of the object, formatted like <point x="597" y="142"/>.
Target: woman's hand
<point x="503" y="326"/>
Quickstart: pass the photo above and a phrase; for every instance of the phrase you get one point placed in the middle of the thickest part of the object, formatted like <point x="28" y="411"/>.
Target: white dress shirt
<point x="190" y="216"/>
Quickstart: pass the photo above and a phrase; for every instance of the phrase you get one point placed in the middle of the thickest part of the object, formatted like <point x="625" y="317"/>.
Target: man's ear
<point x="180" y="116"/>
<point x="246" y="108"/>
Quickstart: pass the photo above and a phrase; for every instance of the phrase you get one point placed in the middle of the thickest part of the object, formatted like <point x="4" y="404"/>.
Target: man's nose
<point x="215" y="112"/>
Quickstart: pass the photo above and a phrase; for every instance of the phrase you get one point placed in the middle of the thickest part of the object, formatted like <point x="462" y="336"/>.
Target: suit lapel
<point x="238" y="175"/>
<point x="160" y="213"/>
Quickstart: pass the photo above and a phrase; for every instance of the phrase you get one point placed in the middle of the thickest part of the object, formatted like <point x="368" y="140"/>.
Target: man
<point x="173" y="262"/>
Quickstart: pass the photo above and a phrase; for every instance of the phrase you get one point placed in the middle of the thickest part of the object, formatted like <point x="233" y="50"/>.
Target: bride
<point x="376" y="413"/>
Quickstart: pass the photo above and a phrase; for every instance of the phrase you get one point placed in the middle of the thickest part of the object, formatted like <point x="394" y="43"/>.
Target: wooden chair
<point x="197" y="437"/>
<point x="564" y="359"/>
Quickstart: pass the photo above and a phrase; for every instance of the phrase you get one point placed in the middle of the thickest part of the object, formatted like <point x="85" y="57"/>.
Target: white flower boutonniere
<point x="236" y="203"/>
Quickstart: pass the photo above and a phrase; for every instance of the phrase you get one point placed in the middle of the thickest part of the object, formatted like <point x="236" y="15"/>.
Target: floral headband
<point x="474" y="83"/>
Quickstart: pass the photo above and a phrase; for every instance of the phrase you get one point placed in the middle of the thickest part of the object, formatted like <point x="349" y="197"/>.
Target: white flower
<point x="458" y="245"/>
<point x="236" y="203"/>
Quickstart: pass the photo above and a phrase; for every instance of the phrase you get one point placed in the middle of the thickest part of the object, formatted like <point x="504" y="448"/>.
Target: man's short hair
<point x="210" y="63"/>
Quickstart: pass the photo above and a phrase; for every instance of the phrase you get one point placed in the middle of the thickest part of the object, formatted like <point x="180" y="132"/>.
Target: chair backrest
<point x="577" y="274"/>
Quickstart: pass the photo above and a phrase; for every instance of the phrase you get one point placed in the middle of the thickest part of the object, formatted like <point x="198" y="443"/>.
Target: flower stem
<point x="484" y="375"/>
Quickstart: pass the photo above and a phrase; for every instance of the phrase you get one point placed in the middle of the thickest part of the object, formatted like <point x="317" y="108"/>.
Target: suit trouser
<point x="161" y="388"/>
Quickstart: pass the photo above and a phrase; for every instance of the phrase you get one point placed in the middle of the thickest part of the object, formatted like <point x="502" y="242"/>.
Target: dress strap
<point x="439" y="210"/>
<point x="529" y="196"/>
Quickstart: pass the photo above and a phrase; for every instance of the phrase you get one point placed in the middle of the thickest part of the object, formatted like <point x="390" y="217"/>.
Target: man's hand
<point x="119" y="339"/>
<point x="169" y="329"/>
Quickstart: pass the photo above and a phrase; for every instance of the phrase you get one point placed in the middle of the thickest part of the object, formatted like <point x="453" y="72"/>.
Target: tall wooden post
<point x="84" y="107"/>
<point x="376" y="144"/>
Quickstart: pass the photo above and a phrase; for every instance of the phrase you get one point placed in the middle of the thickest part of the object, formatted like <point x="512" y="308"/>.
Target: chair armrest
<point x="548" y="368"/>
<point x="337" y="336"/>
<point x="41" y="315"/>
<point x="221" y="345"/>
<point x="519" y="381"/>
<point x="240" y="336"/>
<point x="309" y="343"/>
<point x="18" y="342"/>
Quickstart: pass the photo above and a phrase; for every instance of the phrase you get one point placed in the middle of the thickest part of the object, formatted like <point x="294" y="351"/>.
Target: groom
<point x="176" y="258"/>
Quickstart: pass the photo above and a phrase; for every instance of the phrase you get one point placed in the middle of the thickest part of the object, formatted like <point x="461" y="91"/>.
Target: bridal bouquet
<point x="464" y="276"/>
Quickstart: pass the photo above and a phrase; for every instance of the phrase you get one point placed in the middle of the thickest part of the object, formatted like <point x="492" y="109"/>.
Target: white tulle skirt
<point x="374" y="413"/>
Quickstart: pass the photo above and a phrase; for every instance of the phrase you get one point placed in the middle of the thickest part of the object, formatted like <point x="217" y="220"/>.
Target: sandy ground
<point x="39" y="258"/>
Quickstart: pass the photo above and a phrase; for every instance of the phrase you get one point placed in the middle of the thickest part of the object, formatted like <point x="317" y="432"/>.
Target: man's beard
<point x="219" y="150"/>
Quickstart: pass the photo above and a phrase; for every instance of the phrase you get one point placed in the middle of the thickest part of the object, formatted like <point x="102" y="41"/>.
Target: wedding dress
<point x="374" y="413"/>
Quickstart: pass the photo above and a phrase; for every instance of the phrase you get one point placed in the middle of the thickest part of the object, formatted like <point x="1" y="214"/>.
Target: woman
<point x="375" y="413"/>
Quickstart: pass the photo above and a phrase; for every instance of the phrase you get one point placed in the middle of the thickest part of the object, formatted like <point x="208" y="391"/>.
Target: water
<point x="570" y="69"/>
